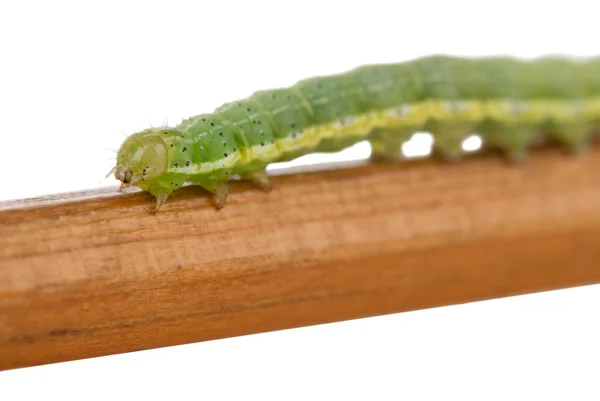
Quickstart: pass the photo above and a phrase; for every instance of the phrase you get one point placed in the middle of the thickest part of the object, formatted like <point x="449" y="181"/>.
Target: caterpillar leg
<point x="575" y="137"/>
<point x="219" y="190"/>
<point x="161" y="199"/>
<point x="259" y="178"/>
<point x="160" y="194"/>
<point x="448" y="139"/>
<point x="386" y="144"/>
<point x="161" y="190"/>
<point x="514" y="141"/>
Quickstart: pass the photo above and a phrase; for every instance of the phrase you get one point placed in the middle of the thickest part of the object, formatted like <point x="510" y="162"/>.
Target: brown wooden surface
<point x="95" y="274"/>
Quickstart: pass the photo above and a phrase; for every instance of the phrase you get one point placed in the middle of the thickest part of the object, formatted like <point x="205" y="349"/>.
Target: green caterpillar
<point x="512" y="103"/>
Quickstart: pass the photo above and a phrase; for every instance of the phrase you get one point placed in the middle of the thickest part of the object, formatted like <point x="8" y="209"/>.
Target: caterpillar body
<point x="511" y="103"/>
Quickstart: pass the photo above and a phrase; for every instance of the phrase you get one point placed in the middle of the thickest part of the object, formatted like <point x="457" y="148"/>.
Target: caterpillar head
<point x="142" y="157"/>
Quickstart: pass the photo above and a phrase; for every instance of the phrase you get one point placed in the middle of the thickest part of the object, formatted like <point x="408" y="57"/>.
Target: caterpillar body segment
<point x="511" y="103"/>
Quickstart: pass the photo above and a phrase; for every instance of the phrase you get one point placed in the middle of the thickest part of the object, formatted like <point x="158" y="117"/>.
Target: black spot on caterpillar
<point x="511" y="103"/>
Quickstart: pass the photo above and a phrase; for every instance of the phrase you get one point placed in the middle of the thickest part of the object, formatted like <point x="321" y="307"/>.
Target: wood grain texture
<point x="93" y="275"/>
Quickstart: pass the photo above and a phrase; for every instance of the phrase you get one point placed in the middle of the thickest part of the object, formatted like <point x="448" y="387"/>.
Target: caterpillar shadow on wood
<point x="510" y="104"/>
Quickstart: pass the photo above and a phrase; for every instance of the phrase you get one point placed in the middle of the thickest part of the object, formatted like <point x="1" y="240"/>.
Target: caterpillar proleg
<point x="512" y="103"/>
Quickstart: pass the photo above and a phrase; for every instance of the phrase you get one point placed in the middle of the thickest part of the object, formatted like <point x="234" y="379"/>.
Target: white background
<point x="76" y="77"/>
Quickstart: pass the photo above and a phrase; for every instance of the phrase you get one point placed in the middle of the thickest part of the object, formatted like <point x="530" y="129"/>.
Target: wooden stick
<point x="96" y="274"/>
